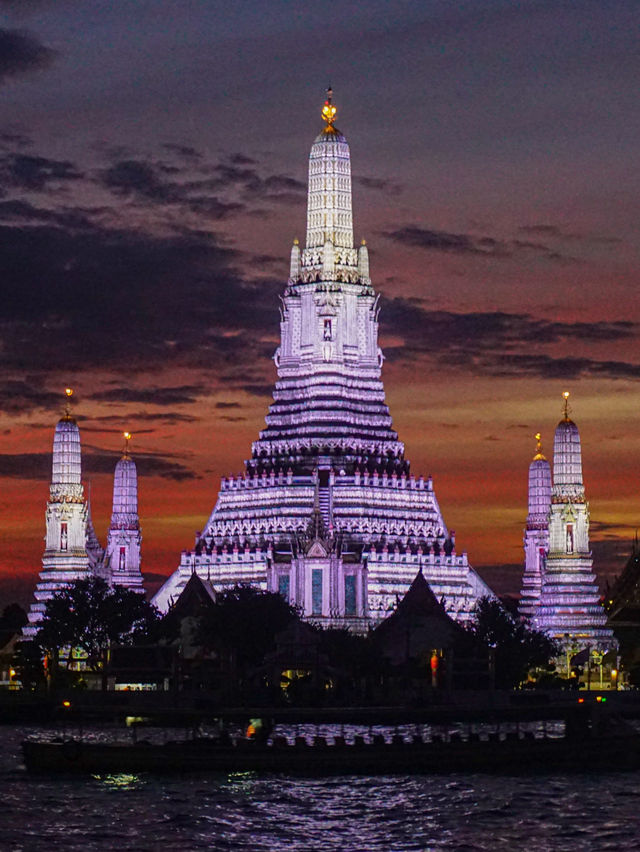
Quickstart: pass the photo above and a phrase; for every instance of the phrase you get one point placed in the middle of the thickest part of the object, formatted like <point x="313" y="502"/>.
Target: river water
<point x="465" y="813"/>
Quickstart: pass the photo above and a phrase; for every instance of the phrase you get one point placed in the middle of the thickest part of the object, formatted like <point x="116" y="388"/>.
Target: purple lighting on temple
<point x="327" y="511"/>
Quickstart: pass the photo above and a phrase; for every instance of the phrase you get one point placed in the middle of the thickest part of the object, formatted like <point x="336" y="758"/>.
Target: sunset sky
<point x="153" y="159"/>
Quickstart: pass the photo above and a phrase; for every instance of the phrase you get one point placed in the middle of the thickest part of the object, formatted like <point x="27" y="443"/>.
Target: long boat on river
<point x="511" y="754"/>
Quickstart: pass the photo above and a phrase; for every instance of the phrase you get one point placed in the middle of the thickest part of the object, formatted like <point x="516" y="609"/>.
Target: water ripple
<point x="244" y="811"/>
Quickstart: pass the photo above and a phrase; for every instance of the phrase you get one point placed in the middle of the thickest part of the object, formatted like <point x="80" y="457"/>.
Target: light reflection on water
<point x="121" y="781"/>
<point x="246" y="811"/>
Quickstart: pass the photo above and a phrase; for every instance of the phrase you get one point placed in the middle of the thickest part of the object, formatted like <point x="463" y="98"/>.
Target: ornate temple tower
<point x="122" y="556"/>
<point x="65" y="556"/>
<point x="72" y="550"/>
<point x="327" y="512"/>
<point x="569" y="608"/>
<point x="536" y="534"/>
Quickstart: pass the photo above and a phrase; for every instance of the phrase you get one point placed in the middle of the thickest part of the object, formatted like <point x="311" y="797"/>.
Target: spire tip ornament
<point x="566" y="408"/>
<point x="539" y="456"/>
<point x="127" y="437"/>
<point x="328" y="110"/>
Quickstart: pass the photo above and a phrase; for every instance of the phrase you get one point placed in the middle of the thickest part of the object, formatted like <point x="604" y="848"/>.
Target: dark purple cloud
<point x="20" y="52"/>
<point x="19" y="396"/>
<point x="165" y="417"/>
<point x="32" y="173"/>
<point x="471" y="244"/>
<point x="502" y="344"/>
<point x="184" y="394"/>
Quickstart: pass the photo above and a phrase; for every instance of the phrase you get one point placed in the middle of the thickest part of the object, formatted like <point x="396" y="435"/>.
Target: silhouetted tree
<point x="91" y="616"/>
<point x="516" y="646"/>
<point x="247" y="620"/>
<point x="13" y="618"/>
<point x="28" y="662"/>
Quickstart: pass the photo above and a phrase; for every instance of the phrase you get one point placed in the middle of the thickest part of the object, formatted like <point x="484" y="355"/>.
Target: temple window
<point x="350" y="594"/>
<point x="284" y="586"/>
<point x="316" y="591"/>
<point x="123" y="559"/>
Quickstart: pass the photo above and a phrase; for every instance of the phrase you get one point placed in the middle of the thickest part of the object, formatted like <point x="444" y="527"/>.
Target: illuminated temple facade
<point x="72" y="550"/>
<point x="560" y="592"/>
<point x="327" y="512"/>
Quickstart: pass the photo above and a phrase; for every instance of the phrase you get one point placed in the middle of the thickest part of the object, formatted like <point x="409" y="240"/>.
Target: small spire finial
<point x="538" y="454"/>
<point x="328" y="110"/>
<point x="566" y="408"/>
<point x="67" y="405"/>
<point x="127" y="438"/>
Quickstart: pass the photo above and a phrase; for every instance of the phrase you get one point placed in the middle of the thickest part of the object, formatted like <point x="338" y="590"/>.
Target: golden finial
<point x="296" y="241"/>
<point x="127" y="438"/>
<point x="67" y="405"/>
<point x="328" y="110"/>
<point x="363" y="242"/>
<point x="538" y="454"/>
<point x="566" y="409"/>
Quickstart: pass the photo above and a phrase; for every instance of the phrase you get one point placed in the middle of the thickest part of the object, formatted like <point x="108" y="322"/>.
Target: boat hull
<point x="512" y="757"/>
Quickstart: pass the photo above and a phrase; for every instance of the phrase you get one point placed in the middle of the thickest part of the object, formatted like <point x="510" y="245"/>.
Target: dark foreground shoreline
<point x="441" y="708"/>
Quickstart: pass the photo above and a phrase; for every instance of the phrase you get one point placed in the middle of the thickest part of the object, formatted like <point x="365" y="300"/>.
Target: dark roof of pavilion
<point x="419" y="604"/>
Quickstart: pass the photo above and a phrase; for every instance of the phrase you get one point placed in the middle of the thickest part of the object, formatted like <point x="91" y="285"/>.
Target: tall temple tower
<point x="65" y="557"/>
<point x="536" y="534"/>
<point x="569" y="608"/>
<point x="122" y="556"/>
<point x="326" y="511"/>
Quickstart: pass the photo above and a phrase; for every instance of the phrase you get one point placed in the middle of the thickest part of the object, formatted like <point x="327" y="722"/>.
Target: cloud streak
<point x="447" y="242"/>
<point x="38" y="465"/>
<point x="183" y="394"/>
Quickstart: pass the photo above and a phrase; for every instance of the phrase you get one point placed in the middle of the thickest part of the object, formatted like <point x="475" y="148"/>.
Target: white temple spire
<point x="536" y="535"/>
<point x="124" y="537"/>
<point x="294" y="269"/>
<point x="329" y="210"/>
<point x="65" y="557"/>
<point x="567" y="457"/>
<point x="363" y="263"/>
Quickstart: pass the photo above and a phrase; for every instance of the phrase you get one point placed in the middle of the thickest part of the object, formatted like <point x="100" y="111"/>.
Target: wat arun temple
<point x="327" y="512"/>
